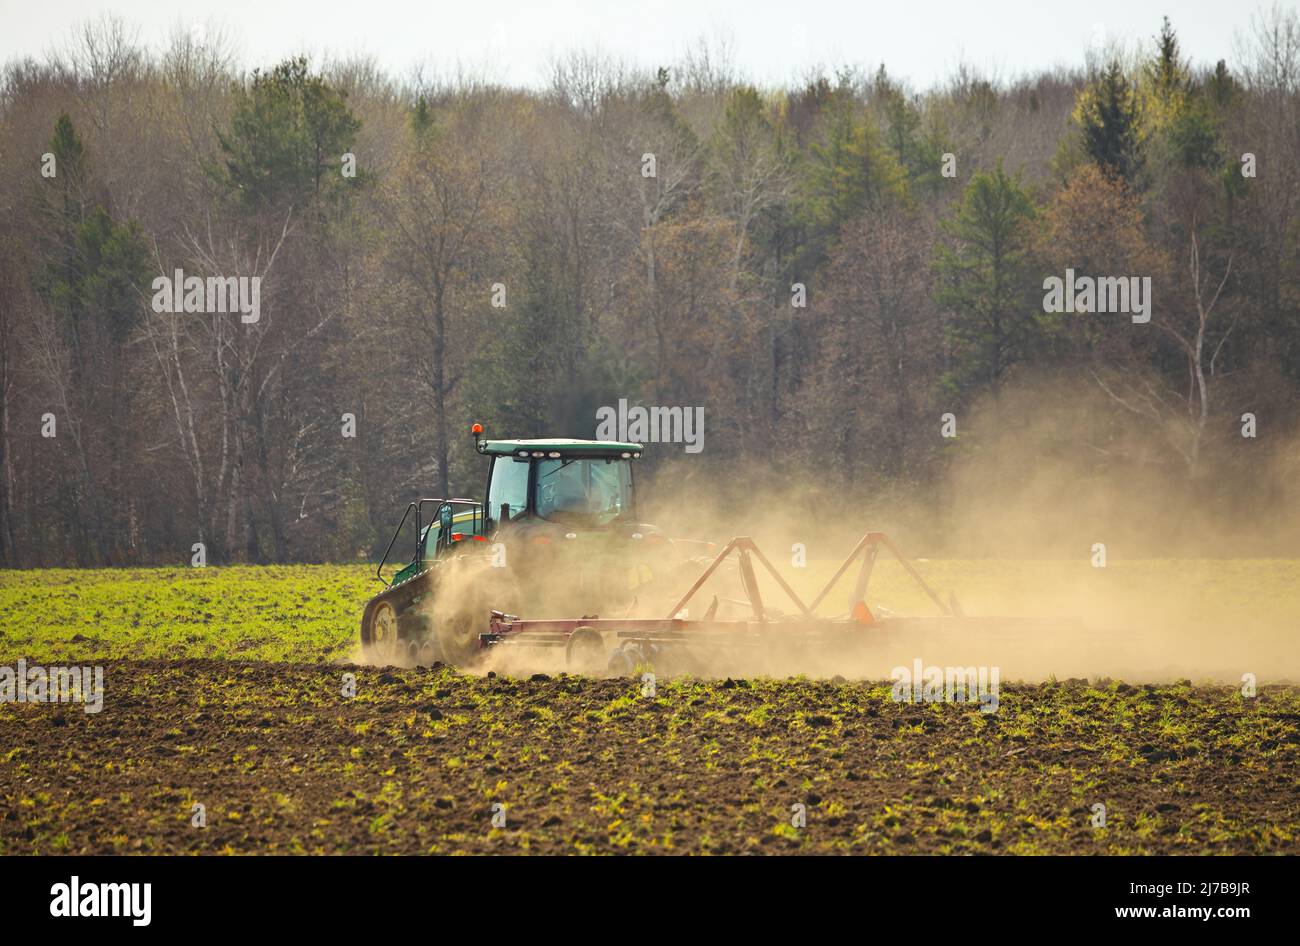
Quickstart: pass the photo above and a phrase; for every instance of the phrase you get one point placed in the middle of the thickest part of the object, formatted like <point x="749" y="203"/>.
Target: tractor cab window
<point x="509" y="485"/>
<point x="594" y="491"/>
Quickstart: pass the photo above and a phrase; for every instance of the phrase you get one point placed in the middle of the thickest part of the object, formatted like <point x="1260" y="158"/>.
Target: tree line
<point x="827" y="268"/>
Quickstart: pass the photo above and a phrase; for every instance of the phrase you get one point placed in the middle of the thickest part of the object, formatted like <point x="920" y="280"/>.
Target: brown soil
<point x="282" y="761"/>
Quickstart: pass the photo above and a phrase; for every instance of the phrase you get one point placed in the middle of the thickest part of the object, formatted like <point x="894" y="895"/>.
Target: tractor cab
<point x="541" y="489"/>
<point x="577" y="483"/>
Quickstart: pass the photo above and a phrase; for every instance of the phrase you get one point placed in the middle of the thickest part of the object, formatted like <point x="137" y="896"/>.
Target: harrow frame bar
<point x="508" y="629"/>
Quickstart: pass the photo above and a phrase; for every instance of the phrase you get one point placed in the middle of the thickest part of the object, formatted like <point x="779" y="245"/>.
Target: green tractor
<point x="557" y="533"/>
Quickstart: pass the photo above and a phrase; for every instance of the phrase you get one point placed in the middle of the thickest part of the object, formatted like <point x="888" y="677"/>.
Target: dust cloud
<point x="1076" y="542"/>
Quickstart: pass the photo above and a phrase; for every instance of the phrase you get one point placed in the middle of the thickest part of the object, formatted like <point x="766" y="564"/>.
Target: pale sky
<point x="771" y="41"/>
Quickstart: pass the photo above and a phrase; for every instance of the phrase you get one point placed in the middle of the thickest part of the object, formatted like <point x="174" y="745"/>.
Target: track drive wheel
<point x="380" y="637"/>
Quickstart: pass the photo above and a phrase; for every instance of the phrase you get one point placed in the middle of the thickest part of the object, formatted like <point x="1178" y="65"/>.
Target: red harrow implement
<point x="594" y="643"/>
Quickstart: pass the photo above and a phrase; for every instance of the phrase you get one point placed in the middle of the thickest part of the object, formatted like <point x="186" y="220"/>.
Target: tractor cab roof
<point x="561" y="446"/>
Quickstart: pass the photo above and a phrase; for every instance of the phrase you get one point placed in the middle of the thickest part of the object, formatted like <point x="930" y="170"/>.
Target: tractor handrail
<point x="379" y="572"/>
<point x="474" y="504"/>
<point x="418" y="506"/>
